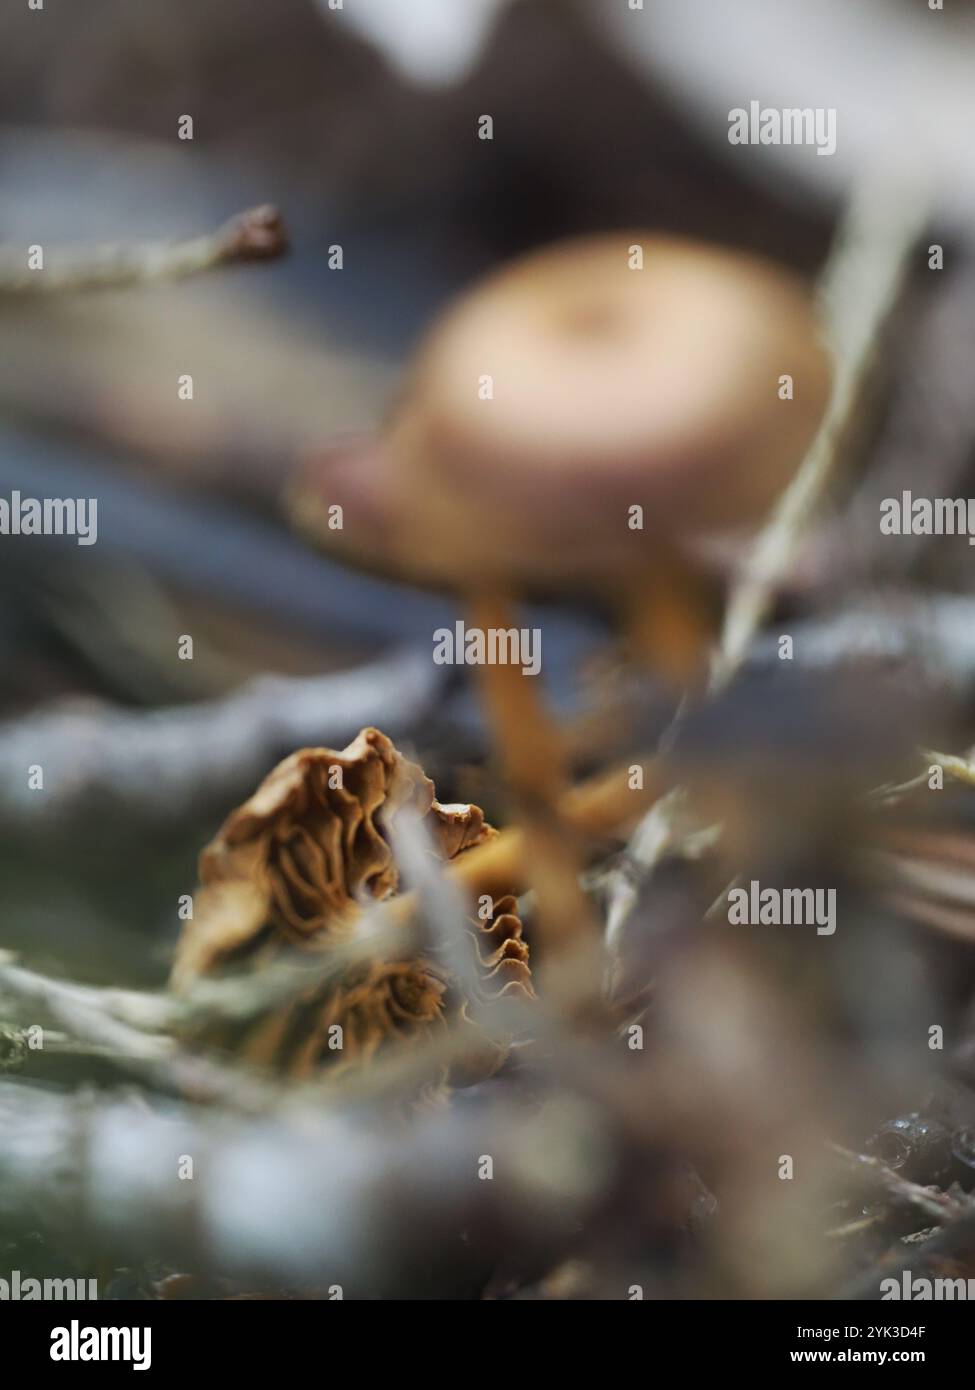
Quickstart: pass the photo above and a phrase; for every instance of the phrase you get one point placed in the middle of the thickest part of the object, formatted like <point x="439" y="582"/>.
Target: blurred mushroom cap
<point x="573" y="385"/>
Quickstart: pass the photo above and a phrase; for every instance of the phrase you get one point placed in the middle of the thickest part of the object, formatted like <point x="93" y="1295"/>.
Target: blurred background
<point x="359" y="124"/>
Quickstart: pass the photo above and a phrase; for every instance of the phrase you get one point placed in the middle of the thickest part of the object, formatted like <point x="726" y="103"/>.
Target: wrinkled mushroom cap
<point x="566" y="389"/>
<point x="290" y="870"/>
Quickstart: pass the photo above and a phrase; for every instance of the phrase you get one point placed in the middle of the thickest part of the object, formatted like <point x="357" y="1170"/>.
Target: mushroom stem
<point x="668" y="621"/>
<point x="533" y="765"/>
<point x="531" y="752"/>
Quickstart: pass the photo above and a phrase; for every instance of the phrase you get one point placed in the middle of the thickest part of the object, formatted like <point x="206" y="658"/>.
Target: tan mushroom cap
<point x="567" y="388"/>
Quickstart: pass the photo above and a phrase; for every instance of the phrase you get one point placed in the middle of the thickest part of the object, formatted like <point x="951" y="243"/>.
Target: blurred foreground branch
<point x="164" y="762"/>
<point x="99" y="1019"/>
<point x="315" y="1202"/>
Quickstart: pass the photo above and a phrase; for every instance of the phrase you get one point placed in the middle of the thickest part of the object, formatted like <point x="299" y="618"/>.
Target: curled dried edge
<point x="290" y="870"/>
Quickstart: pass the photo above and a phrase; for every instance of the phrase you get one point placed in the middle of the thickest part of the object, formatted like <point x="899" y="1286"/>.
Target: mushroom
<point x="590" y="419"/>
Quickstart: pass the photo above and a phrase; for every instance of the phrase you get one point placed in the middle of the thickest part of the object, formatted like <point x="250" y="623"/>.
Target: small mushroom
<point x="590" y="419"/>
<point x="289" y="872"/>
<point x="567" y="388"/>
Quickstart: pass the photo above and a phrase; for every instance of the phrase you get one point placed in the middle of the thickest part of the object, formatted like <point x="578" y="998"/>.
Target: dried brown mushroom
<point x="291" y="868"/>
<point x="311" y="843"/>
<point x="385" y="1003"/>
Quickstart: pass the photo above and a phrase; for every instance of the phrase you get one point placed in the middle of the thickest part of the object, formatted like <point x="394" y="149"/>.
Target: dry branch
<point x="257" y="234"/>
<point x="860" y="287"/>
<point x="306" y="1203"/>
<point x="937" y="1207"/>
<point x="165" y="762"/>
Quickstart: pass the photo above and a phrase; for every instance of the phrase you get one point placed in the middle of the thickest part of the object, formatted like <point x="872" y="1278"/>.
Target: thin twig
<point x="257" y="234"/>
<point x="860" y="287"/>
<point x="937" y="1206"/>
<point x="665" y="829"/>
<point x="959" y="769"/>
<point x="82" y="1010"/>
